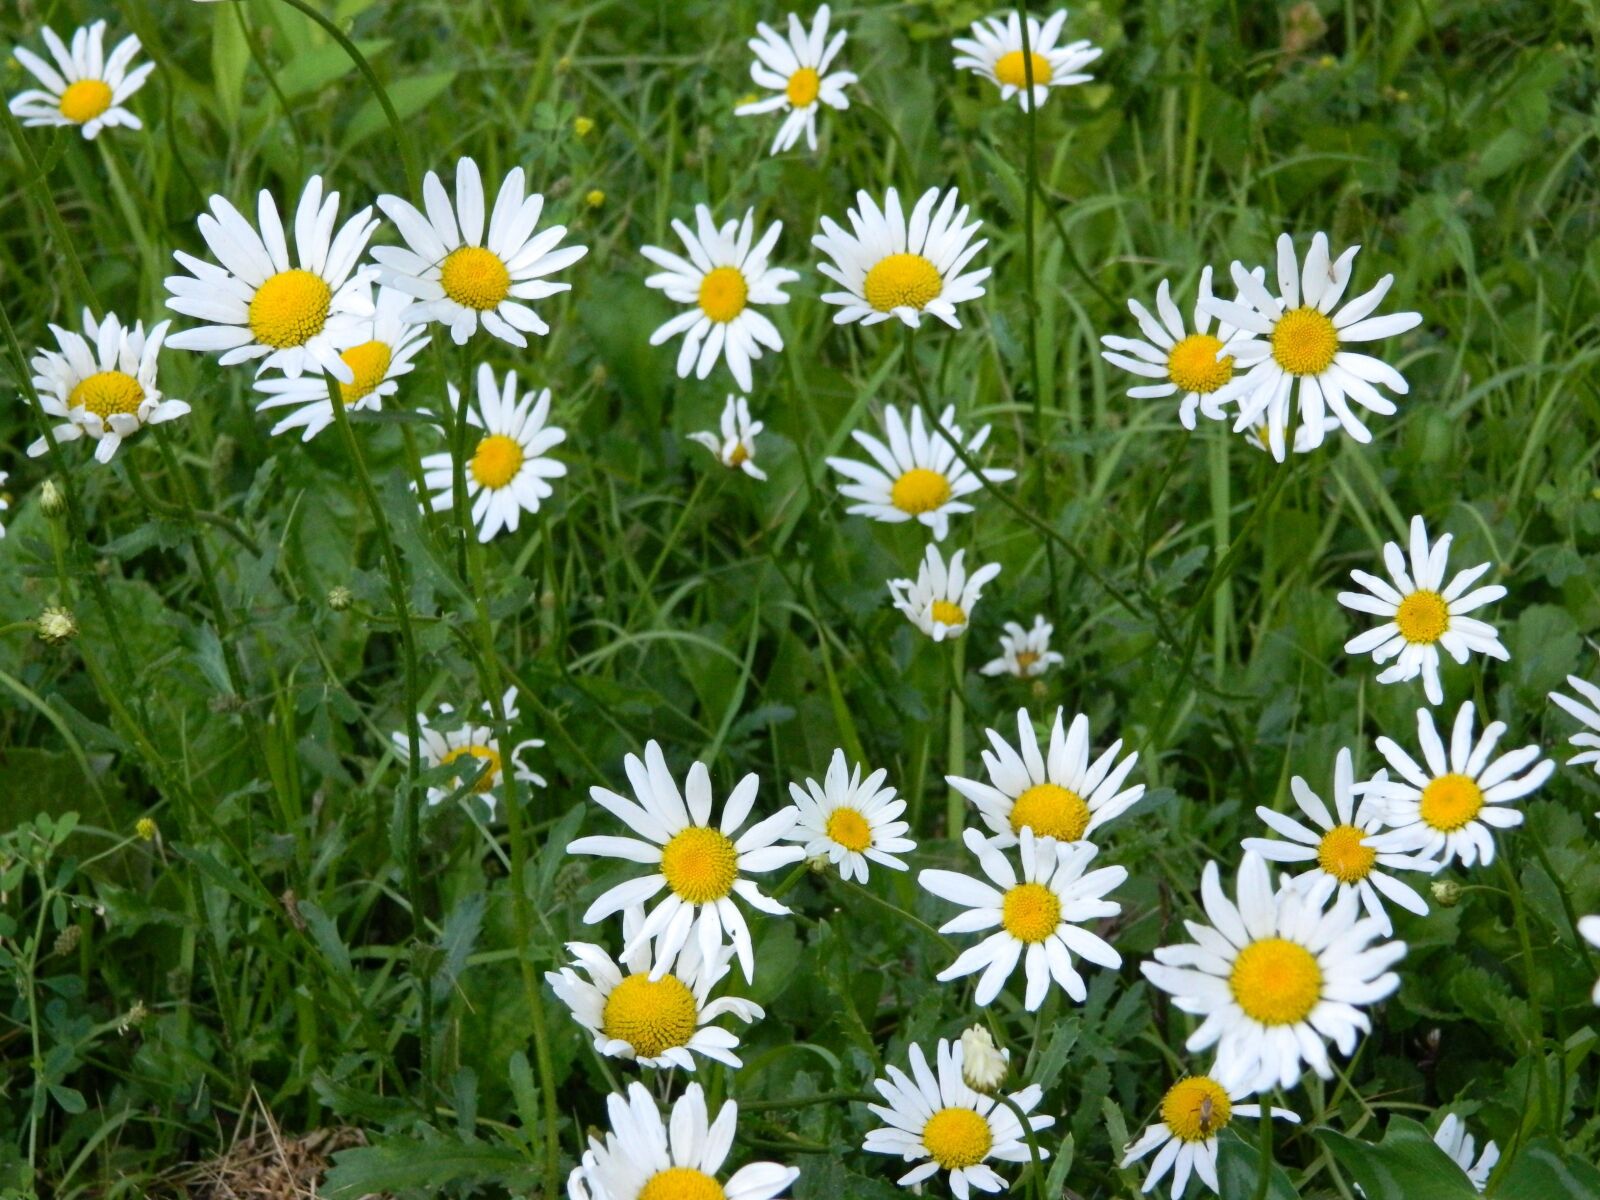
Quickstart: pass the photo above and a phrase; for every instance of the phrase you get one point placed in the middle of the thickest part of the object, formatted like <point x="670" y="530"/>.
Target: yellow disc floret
<point x="1195" y="1108"/>
<point x="1276" y="981"/>
<point x="1026" y="659"/>
<point x="902" y="281"/>
<point x="700" y="864"/>
<point x="850" y="829"/>
<point x="1050" y="810"/>
<point x="85" y="100"/>
<point x="1342" y="855"/>
<point x="1304" y="341"/>
<point x="369" y="362"/>
<point x="1011" y="69"/>
<point x="723" y="293"/>
<point x="803" y="87"/>
<point x="681" y="1183"/>
<point x="957" y="1137"/>
<point x="487" y="754"/>
<point x="290" y="309"/>
<point x="948" y="614"/>
<point x="1194" y="366"/>
<point x="496" y="461"/>
<point x="108" y="392"/>
<point x="1450" y="801"/>
<point x="1030" y="912"/>
<point x="475" y="278"/>
<point x="919" y="490"/>
<point x="652" y="1017"/>
<point x="1422" y="617"/>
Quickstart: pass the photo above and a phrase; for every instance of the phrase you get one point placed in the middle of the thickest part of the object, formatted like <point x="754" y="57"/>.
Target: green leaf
<point x="409" y="97"/>
<point x="1542" y="1172"/>
<point x="1406" y="1165"/>
<point x="230" y="57"/>
<point x="1239" y="1169"/>
<point x="319" y="67"/>
<point x="397" y="1166"/>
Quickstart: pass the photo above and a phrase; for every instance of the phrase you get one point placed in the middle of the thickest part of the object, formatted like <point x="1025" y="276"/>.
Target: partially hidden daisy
<point x="795" y="69"/>
<point x="918" y="475"/>
<point x="85" y="87"/>
<point x="5" y="500"/>
<point x="735" y="447"/>
<point x="1452" y="1137"/>
<point x="1446" y="807"/>
<point x="701" y="866"/>
<point x="656" y="1021"/>
<point x="1259" y="436"/>
<point x="510" y="469"/>
<point x="1589" y="927"/>
<point x="934" y="1118"/>
<point x="1024" y="653"/>
<point x="1036" y="915"/>
<point x="1057" y="794"/>
<point x="890" y="267"/>
<point x="476" y="748"/>
<point x="995" y="51"/>
<point x="1421" y="614"/>
<point x="939" y="601"/>
<point x="1274" y="976"/>
<point x="1587" y="710"/>
<point x="103" y="383"/>
<point x="462" y="273"/>
<point x="849" y="820"/>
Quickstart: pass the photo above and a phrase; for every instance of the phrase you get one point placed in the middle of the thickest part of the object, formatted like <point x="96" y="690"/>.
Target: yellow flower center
<point x="681" y="1183"/>
<point x="723" y="293"/>
<point x="1450" y="801"/>
<point x="803" y="87"/>
<point x="1304" y="341"/>
<point x="1276" y="982"/>
<point x="902" y="281"/>
<point x="370" y="363"/>
<point x="1050" y="810"/>
<point x="949" y="614"/>
<point x="1341" y="854"/>
<point x="1423" y="617"/>
<point x="1026" y="659"/>
<point x="738" y="456"/>
<point x="1194" y="366"/>
<point x="700" y="864"/>
<point x="1011" y="69"/>
<point x="957" y="1137"/>
<point x="108" y="392"/>
<point x="1030" y="912"/>
<point x="290" y="309"/>
<point x="850" y="829"/>
<point x="488" y="754"/>
<point x="496" y="461"/>
<point x="475" y="278"/>
<point x="919" y="490"/>
<point x="85" y="100"/>
<point x="650" y="1017"/>
<point x="1195" y="1108"/>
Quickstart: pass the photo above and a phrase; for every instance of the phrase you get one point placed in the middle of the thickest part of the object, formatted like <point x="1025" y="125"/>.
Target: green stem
<point x="789" y="880"/>
<point x="1525" y="941"/>
<point x="909" y="918"/>
<point x="36" y="184"/>
<point x="1036" y="1176"/>
<point x="1264" y="1178"/>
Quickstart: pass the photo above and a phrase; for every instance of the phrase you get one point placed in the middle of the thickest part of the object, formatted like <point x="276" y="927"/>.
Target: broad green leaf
<point x="409" y="97"/>
<point x="1239" y="1167"/>
<point x="230" y="58"/>
<point x="1542" y="1172"/>
<point x="323" y="65"/>
<point x="1406" y="1165"/>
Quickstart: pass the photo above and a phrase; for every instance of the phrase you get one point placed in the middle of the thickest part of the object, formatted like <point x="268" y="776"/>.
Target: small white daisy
<point x="461" y="274"/>
<point x="1447" y="811"/>
<point x="848" y="820"/>
<point x="1024" y="653"/>
<point x="722" y="281"/>
<point x="1038" y="915"/>
<point x="892" y="268"/>
<point x="796" y="69"/>
<point x="103" y="382"/>
<point x="1588" y="711"/>
<point x="1193" y="1111"/>
<point x="509" y="471"/>
<point x="995" y="51"/>
<point x="918" y="476"/>
<point x="701" y="865"/>
<point x="939" y="601"/>
<point x="1275" y="976"/>
<point x="1452" y="1137"/>
<point x="1059" y="794"/>
<point x="85" y="87"/>
<point x="941" y="1123"/>
<point x="736" y="447"/>
<point x="1421" y="614"/>
<point x="1589" y="927"/>
<point x="475" y="743"/>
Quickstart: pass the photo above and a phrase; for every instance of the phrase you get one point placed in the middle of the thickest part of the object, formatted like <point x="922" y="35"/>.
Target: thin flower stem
<point x="1519" y="914"/>
<point x="1264" y="1178"/>
<point x="1036" y="1176"/>
<point x="35" y="183"/>
<point x="789" y="880"/>
<point x="910" y="918"/>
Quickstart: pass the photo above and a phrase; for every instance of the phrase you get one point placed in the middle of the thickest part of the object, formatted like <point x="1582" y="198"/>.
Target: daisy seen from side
<point x="849" y="821"/>
<point x="84" y="86"/>
<point x="795" y="70"/>
<point x="476" y="748"/>
<point x="1024" y="653"/>
<point x="735" y="447"/>
<point x="996" y="51"/>
<point x="940" y="600"/>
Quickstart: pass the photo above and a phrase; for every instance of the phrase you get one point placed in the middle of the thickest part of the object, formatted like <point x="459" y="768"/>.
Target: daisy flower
<point x="1037" y="915"/>
<point x="1447" y="810"/>
<point x="721" y="281"/>
<point x="1193" y="1111"/>
<point x="795" y="68"/>
<point x="1024" y="653"/>
<point x="848" y="820"/>
<point x="940" y="599"/>
<point x="1452" y="1137"/>
<point x="1421" y="614"/>
<point x="103" y="382"/>
<point x="1274" y="976"/>
<point x="381" y="351"/>
<point x="941" y="1123"/>
<point x="460" y="277"/>
<point x="890" y="268"/>
<point x="85" y="88"/>
<point x="656" y="1021"/>
<point x="1306" y="439"/>
<point x="1059" y="794"/>
<point x="918" y="476"/>
<point x="478" y="744"/>
<point x="995" y="51"/>
<point x="1587" y="711"/>
<point x="736" y="447"/>
<point x="701" y="865"/>
<point x="509" y="472"/>
<point x="1589" y="927"/>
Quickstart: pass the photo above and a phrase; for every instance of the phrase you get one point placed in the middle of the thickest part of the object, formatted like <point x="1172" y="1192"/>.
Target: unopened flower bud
<point x="67" y="940"/>
<point x="52" y="500"/>
<point x="1447" y="893"/>
<point x="340" y="598"/>
<point x="146" y="829"/>
<point x="983" y="1064"/>
<point x="56" y="625"/>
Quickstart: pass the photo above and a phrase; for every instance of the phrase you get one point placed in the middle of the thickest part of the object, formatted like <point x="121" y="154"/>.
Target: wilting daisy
<point x="796" y="69"/>
<point x="1193" y="1111"/>
<point x="939" y="601"/>
<point x="458" y="275"/>
<point x="1059" y="794"/>
<point x="1588" y="711"/>
<point x="658" y="1021"/>
<point x="848" y="820"/>
<point x="1024" y="653"/>
<point x="918" y="476"/>
<point x="103" y="382"/>
<point x="891" y="268"/>
<point x="995" y="51"/>
<point x="478" y="745"/>
<point x="383" y="347"/>
<point x="85" y="88"/>
<point x="1452" y="1137"/>
<point x="1275" y="976"/>
<point x="1446" y="810"/>
<point x="509" y="471"/>
<point x="736" y="447"/>
<point x="701" y="865"/>
<point x="722" y="281"/>
<point x="1589" y="927"/>
<point x="1038" y="915"/>
<point x="938" y="1121"/>
<point x="1421" y="614"/>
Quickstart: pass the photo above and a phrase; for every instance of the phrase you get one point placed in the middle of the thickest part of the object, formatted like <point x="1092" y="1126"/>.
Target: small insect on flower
<point x="849" y="820"/>
<point x="995" y="51"/>
<point x="735" y="448"/>
<point x="85" y="87"/>
<point x="1024" y="653"/>
<point x="1193" y="1111"/>
<point x="475" y="747"/>
<point x="795" y="69"/>
<point x="940" y="600"/>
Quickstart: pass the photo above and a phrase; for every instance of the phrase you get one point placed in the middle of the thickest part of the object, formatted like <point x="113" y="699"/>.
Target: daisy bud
<point x="340" y="598"/>
<point x="983" y="1064"/>
<point x="1447" y="893"/>
<point x="56" y="625"/>
<point x="52" y="501"/>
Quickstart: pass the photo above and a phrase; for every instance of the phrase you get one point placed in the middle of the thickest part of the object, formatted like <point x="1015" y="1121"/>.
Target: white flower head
<point x="795" y="69"/>
<point x="1024" y="653"/>
<point x="1587" y="710"/>
<point x="983" y="1064"/>
<point x="84" y="87"/>
<point x="940" y="600"/>
<point x="735" y="448"/>
<point x="995" y="51"/>
<point x="476" y="747"/>
<point x="1452" y="1137"/>
<point x="849" y="820"/>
